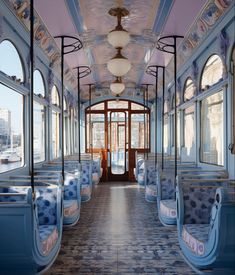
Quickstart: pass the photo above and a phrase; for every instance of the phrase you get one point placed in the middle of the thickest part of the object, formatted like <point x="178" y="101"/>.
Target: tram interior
<point x="117" y="137"/>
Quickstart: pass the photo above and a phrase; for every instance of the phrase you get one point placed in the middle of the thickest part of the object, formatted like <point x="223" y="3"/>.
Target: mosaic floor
<point x="119" y="233"/>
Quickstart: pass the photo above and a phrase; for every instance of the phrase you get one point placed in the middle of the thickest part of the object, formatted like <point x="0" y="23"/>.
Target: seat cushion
<point x="70" y="207"/>
<point x="140" y="179"/>
<point x="195" y="236"/>
<point x="70" y="187"/>
<point x="151" y="190"/>
<point x="168" y="208"/>
<point x="48" y="235"/>
<point x="86" y="190"/>
<point x="95" y="178"/>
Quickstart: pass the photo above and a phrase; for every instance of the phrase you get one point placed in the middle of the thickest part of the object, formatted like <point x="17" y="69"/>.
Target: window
<point x="97" y="130"/>
<point x="55" y="123"/>
<point x="99" y="106"/>
<point x="166" y="134"/>
<point x="189" y="89"/>
<point x="39" y="132"/>
<point x="137" y="131"/>
<point x="11" y="129"/>
<point x="189" y="132"/>
<point x="66" y="128"/>
<point x="39" y="87"/>
<point x="212" y="129"/>
<point x="11" y="110"/>
<point x="11" y="63"/>
<point x="55" y="99"/>
<point x="212" y="72"/>
<point x="39" y="118"/>
<point x="114" y="104"/>
<point x="135" y="106"/>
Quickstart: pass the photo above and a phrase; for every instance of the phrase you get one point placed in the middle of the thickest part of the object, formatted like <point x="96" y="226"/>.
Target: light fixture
<point x="118" y="37"/>
<point x="117" y="87"/>
<point x="119" y="65"/>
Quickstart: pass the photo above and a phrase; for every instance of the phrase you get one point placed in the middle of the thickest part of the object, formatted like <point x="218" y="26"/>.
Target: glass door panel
<point x="118" y="142"/>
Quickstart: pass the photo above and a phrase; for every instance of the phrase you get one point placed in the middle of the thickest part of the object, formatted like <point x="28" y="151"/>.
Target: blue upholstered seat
<point x="206" y="223"/>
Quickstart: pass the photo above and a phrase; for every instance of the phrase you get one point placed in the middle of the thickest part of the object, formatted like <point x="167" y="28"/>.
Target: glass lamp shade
<point x="119" y="65"/>
<point x="118" y="38"/>
<point x="117" y="88"/>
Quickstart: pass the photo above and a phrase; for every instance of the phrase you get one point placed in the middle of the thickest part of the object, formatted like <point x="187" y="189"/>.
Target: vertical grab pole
<point x="147" y="124"/>
<point x="62" y="104"/>
<point x="163" y="98"/>
<point x="175" y="68"/>
<point x="165" y="46"/>
<point x="90" y="125"/>
<point x="156" y="87"/>
<point x="79" y="118"/>
<point x="31" y="131"/>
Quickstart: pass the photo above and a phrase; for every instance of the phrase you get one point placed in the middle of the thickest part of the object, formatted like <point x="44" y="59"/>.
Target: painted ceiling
<point x="147" y="21"/>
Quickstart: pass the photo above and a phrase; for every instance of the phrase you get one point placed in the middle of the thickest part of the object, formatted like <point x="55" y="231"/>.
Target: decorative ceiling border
<point x="42" y="37"/>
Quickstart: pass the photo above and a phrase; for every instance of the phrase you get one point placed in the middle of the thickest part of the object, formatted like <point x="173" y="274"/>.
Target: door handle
<point x="230" y="147"/>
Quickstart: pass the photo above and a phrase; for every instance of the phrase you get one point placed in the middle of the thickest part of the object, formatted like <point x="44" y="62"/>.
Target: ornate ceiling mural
<point x="147" y="20"/>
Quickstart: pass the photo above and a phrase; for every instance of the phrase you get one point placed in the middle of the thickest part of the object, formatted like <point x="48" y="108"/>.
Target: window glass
<point x="166" y="133"/>
<point x="10" y="61"/>
<point x="212" y="72"/>
<point x="39" y="132"/>
<point x="11" y="129"/>
<point x="117" y="104"/>
<point x="55" y="134"/>
<point x="166" y="106"/>
<point x="98" y="131"/>
<point x="39" y="88"/>
<point x="189" y="132"/>
<point x="189" y="89"/>
<point x="137" y="131"/>
<point x="212" y="129"/>
<point x="55" y="99"/>
<point x="99" y="106"/>
<point x="135" y="106"/>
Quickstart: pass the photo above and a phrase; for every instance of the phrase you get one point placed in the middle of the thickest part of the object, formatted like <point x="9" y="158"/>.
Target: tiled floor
<point x="119" y="233"/>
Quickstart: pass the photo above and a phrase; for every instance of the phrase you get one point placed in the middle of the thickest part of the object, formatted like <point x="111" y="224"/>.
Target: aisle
<point x="119" y="233"/>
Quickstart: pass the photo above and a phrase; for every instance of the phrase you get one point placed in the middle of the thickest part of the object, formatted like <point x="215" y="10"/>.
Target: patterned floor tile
<point x="119" y="233"/>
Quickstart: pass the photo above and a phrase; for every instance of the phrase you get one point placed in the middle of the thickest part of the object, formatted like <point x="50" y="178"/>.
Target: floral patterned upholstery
<point x="195" y="236"/>
<point x="86" y="173"/>
<point x="71" y="207"/>
<point x="48" y="235"/>
<point x="168" y="208"/>
<point x="46" y="199"/>
<point x="167" y="186"/>
<point x="151" y="190"/>
<point x="140" y="178"/>
<point x="70" y="187"/>
<point x="150" y="174"/>
<point x="198" y="202"/>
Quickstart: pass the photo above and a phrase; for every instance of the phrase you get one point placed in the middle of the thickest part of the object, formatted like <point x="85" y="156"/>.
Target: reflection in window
<point x="39" y="88"/>
<point x="212" y="129"/>
<point x="55" y="99"/>
<point x="39" y="132"/>
<point x="10" y="61"/>
<point x="11" y="129"/>
<point x="189" y="89"/>
<point x="189" y="134"/>
<point x="212" y="72"/>
<point x="137" y="131"/>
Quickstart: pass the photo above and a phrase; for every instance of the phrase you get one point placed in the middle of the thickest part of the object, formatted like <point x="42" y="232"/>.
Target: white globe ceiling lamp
<point x="117" y="87"/>
<point x="119" y="65"/>
<point x="118" y="37"/>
